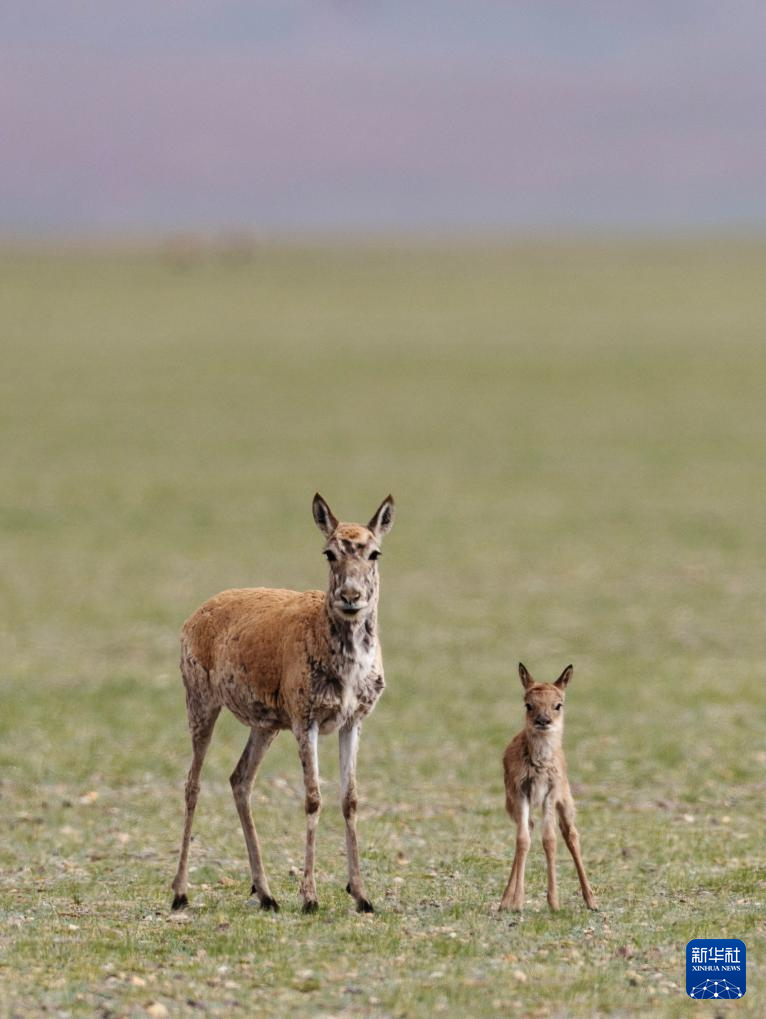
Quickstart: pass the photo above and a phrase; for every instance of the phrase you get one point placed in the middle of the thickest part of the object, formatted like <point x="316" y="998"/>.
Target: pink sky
<point x="302" y="117"/>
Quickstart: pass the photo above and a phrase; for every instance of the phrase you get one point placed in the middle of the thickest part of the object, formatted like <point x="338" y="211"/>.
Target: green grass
<point x="575" y="437"/>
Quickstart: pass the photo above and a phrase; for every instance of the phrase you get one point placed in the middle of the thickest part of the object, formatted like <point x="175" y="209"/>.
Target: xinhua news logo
<point x="716" y="968"/>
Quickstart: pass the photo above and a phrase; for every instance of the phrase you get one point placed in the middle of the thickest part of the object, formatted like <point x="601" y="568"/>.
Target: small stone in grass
<point x="306" y="982"/>
<point x="520" y="975"/>
<point x="157" y="1010"/>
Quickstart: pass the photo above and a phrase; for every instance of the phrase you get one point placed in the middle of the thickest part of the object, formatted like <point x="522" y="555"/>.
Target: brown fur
<point x="305" y="661"/>
<point x="536" y="776"/>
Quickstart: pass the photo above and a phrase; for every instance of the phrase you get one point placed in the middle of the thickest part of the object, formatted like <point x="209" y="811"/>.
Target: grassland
<point x="575" y="436"/>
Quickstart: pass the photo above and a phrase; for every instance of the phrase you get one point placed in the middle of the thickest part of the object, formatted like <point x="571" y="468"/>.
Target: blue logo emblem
<point x="716" y="968"/>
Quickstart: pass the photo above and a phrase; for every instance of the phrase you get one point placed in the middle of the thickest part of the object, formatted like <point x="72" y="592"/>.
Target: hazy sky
<point x="313" y="116"/>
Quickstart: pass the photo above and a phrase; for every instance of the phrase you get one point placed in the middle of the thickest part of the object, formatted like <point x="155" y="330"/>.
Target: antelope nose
<point x="351" y="595"/>
<point x="543" y="721"/>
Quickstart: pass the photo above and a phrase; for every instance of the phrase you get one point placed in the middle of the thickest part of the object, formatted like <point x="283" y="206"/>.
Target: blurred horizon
<point x="186" y="246"/>
<point x="299" y="120"/>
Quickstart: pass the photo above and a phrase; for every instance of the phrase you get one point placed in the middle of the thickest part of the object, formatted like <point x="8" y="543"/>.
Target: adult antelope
<point x="306" y="661"/>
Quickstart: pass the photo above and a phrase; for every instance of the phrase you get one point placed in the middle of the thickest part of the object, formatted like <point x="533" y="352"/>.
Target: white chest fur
<point x="349" y="686"/>
<point x="355" y="671"/>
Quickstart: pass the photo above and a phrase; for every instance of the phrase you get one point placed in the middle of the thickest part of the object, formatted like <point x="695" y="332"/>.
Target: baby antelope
<point x="536" y="776"/>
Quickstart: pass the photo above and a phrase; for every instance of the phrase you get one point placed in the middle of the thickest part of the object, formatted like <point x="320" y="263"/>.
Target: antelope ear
<point x="324" y="517"/>
<point x="563" y="681"/>
<point x="382" y="519"/>
<point x="526" y="679"/>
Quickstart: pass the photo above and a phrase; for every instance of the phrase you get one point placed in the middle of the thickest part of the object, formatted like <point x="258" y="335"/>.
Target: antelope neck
<point x="542" y="746"/>
<point x="354" y="633"/>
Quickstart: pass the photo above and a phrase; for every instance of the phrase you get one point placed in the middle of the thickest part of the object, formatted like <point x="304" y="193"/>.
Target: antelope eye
<point x="558" y="707"/>
<point x="330" y="555"/>
<point x="374" y="555"/>
<point x="528" y="707"/>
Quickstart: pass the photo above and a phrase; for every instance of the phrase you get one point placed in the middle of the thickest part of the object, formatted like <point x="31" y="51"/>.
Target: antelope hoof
<point x="310" y="906"/>
<point x="179" y="902"/>
<point x="364" y="906"/>
<point x="262" y="901"/>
